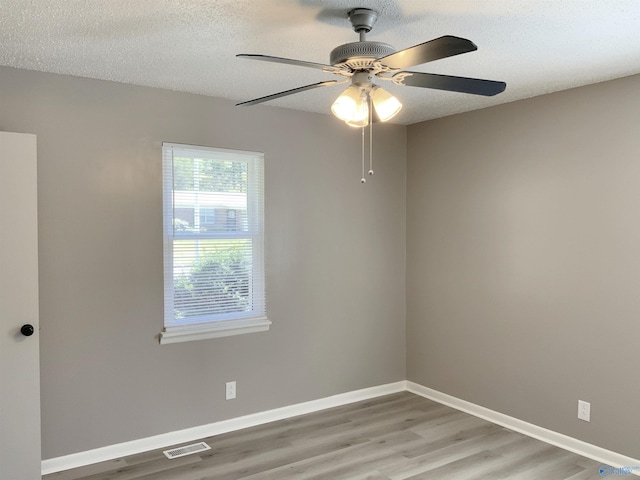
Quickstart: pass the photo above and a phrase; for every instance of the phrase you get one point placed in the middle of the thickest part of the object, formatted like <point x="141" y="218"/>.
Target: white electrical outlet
<point x="584" y="411"/>
<point x="230" y="391"/>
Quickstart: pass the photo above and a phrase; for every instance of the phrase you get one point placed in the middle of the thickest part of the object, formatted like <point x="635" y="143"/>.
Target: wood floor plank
<point x="353" y="462"/>
<point x="591" y="474"/>
<point x="443" y="456"/>
<point x="455" y="432"/>
<point x="535" y="465"/>
<point x="395" y="437"/>
<point x="141" y="469"/>
<point x="94" y="469"/>
<point x="367" y="429"/>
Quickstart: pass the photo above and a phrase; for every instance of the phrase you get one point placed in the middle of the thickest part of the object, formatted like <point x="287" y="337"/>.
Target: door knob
<point x="27" y="330"/>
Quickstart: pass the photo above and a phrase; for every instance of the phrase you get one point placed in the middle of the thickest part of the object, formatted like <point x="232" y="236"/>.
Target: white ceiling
<point x="535" y="46"/>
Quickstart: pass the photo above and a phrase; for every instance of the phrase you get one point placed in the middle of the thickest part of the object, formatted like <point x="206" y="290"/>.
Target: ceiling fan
<point x="362" y="62"/>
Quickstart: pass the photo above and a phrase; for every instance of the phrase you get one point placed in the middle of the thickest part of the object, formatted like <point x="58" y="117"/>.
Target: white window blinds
<point x="214" y="236"/>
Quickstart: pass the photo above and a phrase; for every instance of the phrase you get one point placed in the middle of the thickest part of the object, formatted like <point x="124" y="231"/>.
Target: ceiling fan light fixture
<point x="360" y="122"/>
<point x="385" y="104"/>
<point x="352" y="107"/>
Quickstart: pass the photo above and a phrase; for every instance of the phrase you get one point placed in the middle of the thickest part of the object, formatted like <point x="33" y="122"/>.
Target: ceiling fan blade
<point x="287" y="92"/>
<point x="442" y="47"/>
<point x="289" y="61"/>
<point x="474" y="86"/>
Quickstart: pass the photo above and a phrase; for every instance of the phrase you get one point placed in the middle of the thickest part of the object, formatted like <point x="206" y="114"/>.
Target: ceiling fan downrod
<point x="362" y="20"/>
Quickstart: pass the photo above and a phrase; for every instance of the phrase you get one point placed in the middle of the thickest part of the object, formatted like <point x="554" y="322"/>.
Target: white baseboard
<point x="554" y="438"/>
<point x="133" y="447"/>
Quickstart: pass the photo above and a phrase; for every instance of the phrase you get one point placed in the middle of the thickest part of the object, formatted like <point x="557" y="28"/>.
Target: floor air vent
<point x="186" y="450"/>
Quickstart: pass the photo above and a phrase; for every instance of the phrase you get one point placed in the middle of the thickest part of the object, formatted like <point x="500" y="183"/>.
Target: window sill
<point x="213" y="330"/>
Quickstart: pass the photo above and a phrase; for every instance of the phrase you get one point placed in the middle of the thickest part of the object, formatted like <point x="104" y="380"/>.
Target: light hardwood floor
<point x="395" y="437"/>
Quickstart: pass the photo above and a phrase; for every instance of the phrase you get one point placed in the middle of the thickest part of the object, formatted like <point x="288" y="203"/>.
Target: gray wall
<point x="523" y="240"/>
<point x="335" y="260"/>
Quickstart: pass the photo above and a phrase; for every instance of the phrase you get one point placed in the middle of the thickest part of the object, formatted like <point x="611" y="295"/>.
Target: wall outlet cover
<point x="584" y="410"/>
<point x="230" y="390"/>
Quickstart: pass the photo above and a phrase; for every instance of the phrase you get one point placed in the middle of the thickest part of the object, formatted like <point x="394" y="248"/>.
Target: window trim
<point x="222" y="328"/>
<point x="199" y="330"/>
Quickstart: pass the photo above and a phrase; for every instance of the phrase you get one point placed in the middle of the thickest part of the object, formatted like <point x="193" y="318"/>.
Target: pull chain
<point x="370" y="136"/>
<point x="363" y="180"/>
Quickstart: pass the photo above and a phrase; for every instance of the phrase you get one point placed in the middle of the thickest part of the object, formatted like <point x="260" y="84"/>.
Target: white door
<point x="19" y="350"/>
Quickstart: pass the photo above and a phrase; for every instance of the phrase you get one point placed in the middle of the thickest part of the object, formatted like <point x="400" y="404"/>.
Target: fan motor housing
<point x="359" y="55"/>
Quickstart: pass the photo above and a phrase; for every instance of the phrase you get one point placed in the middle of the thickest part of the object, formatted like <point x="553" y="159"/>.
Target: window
<point x="213" y="243"/>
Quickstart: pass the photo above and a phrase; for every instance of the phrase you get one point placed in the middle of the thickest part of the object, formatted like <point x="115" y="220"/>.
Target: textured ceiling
<point x="536" y="46"/>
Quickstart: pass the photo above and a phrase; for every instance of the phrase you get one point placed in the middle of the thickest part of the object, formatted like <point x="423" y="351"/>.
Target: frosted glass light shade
<point x="386" y="105"/>
<point x="352" y="107"/>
